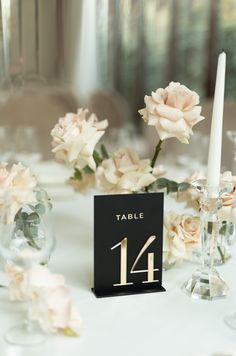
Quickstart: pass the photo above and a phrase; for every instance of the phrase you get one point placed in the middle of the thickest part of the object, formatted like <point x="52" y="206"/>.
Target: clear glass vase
<point x="26" y="240"/>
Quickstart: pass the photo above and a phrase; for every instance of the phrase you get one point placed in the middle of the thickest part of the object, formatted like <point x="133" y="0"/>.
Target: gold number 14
<point x="123" y="262"/>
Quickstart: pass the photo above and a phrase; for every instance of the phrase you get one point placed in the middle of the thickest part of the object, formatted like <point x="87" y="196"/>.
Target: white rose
<point x="51" y="306"/>
<point x="124" y="173"/>
<point x="173" y="111"/>
<point x="24" y="285"/>
<point x="75" y="137"/>
<point x="16" y="288"/>
<point x="181" y="235"/>
<point x="54" y="311"/>
<point x="16" y="189"/>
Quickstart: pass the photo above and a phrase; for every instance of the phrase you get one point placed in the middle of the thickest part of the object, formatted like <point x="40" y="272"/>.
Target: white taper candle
<point x="215" y="144"/>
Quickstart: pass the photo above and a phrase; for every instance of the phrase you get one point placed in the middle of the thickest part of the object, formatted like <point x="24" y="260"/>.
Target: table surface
<point x="165" y="324"/>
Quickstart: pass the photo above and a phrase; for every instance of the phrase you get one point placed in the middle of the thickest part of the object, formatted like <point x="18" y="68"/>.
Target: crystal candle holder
<point x="206" y="282"/>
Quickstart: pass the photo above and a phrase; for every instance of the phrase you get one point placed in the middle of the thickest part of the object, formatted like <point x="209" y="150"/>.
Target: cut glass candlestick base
<point x="206" y="284"/>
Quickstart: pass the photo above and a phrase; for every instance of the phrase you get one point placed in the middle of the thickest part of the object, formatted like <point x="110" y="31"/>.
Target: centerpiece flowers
<point x="50" y="303"/>
<point x="23" y="237"/>
<point x="22" y="203"/>
<point x="173" y="111"/>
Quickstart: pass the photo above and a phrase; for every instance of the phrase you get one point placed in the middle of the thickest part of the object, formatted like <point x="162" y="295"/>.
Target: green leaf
<point x="221" y="254"/>
<point x="210" y="227"/>
<point x="32" y="243"/>
<point x="172" y="187"/>
<point x="97" y="158"/>
<point x="44" y="200"/>
<point x="18" y="215"/>
<point x="182" y="187"/>
<point x="77" y="174"/>
<point x="39" y="208"/>
<point x="19" y="224"/>
<point x="32" y="207"/>
<point x="223" y="228"/>
<point x="49" y="205"/>
<point x="159" y="184"/>
<point x="164" y="183"/>
<point x="104" y="152"/>
<point x="88" y="170"/>
<point x="40" y="195"/>
<point x="33" y="218"/>
<point x="29" y="225"/>
<point x="24" y="215"/>
<point x="231" y="229"/>
<point x="33" y="232"/>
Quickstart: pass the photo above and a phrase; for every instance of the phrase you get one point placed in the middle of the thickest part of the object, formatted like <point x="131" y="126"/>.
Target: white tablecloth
<point x="163" y="324"/>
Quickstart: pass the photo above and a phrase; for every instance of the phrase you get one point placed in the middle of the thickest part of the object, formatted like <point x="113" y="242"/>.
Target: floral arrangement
<point x="23" y="205"/>
<point x="50" y="303"/>
<point x="21" y="202"/>
<point x="173" y="111"/>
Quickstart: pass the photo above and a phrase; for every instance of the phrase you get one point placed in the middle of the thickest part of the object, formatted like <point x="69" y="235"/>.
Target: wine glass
<point x="27" y="145"/>
<point x="5" y="144"/>
<point x="26" y="240"/>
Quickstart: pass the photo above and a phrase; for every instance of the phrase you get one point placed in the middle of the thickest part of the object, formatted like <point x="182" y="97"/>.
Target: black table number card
<point x="128" y="244"/>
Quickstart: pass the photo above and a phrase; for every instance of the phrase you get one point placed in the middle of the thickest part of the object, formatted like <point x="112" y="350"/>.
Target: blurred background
<point x="58" y="55"/>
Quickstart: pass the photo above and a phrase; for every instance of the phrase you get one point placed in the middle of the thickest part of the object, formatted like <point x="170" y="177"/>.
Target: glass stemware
<point x="5" y="144"/>
<point x="27" y="145"/>
<point x="26" y="240"/>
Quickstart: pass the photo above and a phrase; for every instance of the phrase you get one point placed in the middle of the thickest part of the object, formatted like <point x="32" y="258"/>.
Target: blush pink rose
<point x="75" y="137"/>
<point x="54" y="311"/>
<point x="181" y="235"/>
<point x="51" y="306"/>
<point x="173" y="111"/>
<point x="17" y="185"/>
<point x="124" y="172"/>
